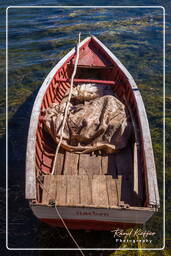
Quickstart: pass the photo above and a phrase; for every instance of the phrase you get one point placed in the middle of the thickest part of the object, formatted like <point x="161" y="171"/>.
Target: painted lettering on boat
<point x="91" y="213"/>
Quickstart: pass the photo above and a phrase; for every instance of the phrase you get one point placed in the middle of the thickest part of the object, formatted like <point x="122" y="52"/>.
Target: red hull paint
<point x="88" y="224"/>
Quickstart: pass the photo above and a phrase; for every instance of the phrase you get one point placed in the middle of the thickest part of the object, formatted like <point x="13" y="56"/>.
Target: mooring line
<point x="60" y="141"/>
<point x="63" y="222"/>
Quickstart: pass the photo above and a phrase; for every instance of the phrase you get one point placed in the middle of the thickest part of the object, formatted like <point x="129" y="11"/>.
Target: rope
<point x="43" y="186"/>
<point x="60" y="141"/>
<point x="67" y="105"/>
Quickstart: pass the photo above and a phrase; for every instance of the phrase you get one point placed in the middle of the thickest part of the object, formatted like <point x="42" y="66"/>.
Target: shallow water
<point x="37" y="40"/>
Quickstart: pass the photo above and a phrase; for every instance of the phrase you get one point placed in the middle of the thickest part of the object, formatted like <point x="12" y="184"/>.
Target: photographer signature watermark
<point x="133" y="236"/>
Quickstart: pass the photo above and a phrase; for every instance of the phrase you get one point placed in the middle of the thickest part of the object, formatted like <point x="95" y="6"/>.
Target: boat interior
<point x="94" y="179"/>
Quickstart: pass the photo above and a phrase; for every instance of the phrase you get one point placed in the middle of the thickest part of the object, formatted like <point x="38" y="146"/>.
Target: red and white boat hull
<point x="92" y="218"/>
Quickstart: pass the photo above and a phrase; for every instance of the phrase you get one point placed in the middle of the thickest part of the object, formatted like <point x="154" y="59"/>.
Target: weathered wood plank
<point x="123" y="161"/>
<point x="73" y="190"/>
<point x="112" y="191"/>
<point x="119" y="189"/>
<point x="104" y="165"/>
<point x="127" y="190"/>
<point x="99" y="191"/>
<point x="85" y="189"/>
<point x="52" y="189"/>
<point x="124" y="165"/>
<point x="89" y="164"/>
<point x="71" y="164"/>
<point x="59" y="163"/>
<point x="61" y="188"/>
<point x="112" y="170"/>
<point x="46" y="186"/>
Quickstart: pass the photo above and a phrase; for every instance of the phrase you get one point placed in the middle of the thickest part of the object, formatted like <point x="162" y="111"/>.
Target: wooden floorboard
<point x="59" y="163"/>
<point x="71" y="163"/>
<point x="61" y="186"/>
<point x="124" y="162"/>
<point x="73" y="190"/>
<point x="104" y="165"/>
<point x="46" y="186"/>
<point x="112" y="170"/>
<point x="119" y="189"/>
<point x="86" y="190"/>
<point x="99" y="191"/>
<point x="112" y="191"/>
<point x="125" y="175"/>
<point x="89" y="164"/>
<point x="52" y="189"/>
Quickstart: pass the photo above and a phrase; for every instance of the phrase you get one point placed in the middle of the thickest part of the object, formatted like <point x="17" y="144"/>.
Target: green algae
<point x="133" y="25"/>
<point x="124" y="46"/>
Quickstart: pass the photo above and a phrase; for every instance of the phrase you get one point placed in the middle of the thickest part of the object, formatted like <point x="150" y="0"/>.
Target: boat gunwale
<point x="91" y="206"/>
<point x="75" y="213"/>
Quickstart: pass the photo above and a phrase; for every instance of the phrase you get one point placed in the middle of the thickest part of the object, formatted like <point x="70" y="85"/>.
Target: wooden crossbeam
<point x="86" y="81"/>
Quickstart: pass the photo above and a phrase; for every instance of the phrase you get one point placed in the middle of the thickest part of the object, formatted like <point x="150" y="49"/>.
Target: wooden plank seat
<point x="82" y="190"/>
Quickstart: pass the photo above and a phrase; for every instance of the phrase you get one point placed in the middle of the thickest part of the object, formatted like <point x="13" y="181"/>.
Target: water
<point x="38" y="39"/>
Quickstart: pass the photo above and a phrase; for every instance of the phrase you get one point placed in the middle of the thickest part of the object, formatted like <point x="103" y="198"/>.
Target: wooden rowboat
<point x="91" y="191"/>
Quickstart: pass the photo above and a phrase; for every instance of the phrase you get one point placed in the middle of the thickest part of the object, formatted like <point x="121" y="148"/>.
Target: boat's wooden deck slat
<point x="46" y="189"/>
<point x="61" y="190"/>
<point x="59" y="163"/>
<point x="104" y="164"/>
<point x="71" y="163"/>
<point x="73" y="190"/>
<point x="111" y="170"/>
<point x="125" y="172"/>
<point x="99" y="191"/>
<point x="52" y="188"/>
<point x="119" y="189"/>
<point x="112" y="191"/>
<point x="85" y="190"/>
<point x="89" y="164"/>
